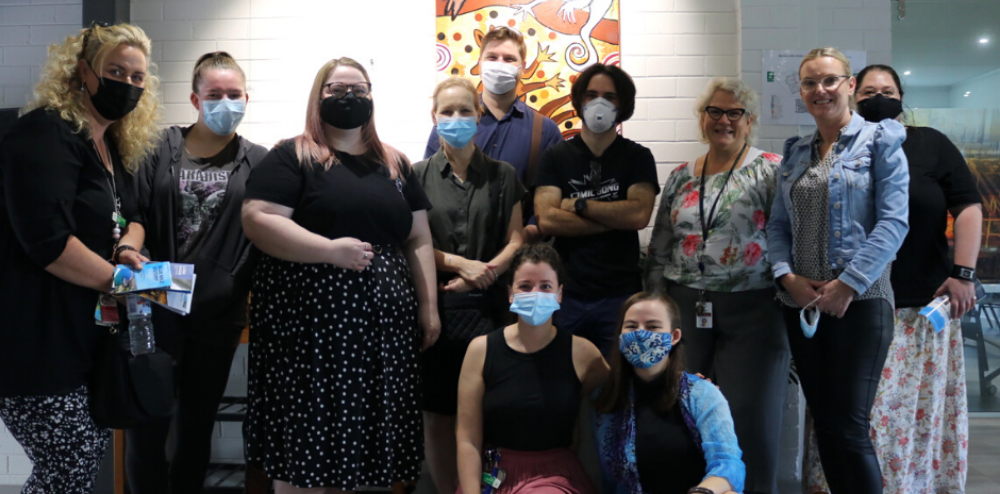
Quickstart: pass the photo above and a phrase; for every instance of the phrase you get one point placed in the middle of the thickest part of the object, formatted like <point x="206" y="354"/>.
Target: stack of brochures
<point x="168" y="284"/>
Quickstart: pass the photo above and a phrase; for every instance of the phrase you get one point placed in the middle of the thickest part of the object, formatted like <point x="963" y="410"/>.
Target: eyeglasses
<point x="86" y="36"/>
<point x="594" y="182"/>
<point x="717" y="113"/>
<point x="829" y="83"/>
<point x="339" y="89"/>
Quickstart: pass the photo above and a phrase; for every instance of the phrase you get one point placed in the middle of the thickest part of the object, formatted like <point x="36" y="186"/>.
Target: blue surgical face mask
<point x="535" y="307"/>
<point x="222" y="116"/>
<point x="644" y="348"/>
<point x="809" y="318"/>
<point x="457" y="131"/>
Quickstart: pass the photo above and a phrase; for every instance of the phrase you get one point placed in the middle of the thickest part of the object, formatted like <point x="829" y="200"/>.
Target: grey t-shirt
<point x="203" y="183"/>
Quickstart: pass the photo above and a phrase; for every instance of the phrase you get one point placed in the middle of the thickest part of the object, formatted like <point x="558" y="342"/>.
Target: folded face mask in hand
<point x="938" y="312"/>
<point x="809" y="318"/>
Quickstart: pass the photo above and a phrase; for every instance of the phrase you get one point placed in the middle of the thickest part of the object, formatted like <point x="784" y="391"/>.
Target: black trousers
<point x="202" y="373"/>
<point x="840" y="368"/>
<point x="746" y="354"/>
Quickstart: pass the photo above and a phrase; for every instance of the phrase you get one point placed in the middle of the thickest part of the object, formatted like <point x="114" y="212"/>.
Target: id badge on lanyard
<point x="703" y="313"/>
<point x="496" y="475"/>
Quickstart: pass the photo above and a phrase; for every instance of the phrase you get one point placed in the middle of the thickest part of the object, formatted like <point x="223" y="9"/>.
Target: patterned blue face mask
<point x="535" y="307"/>
<point x="644" y="348"/>
<point x="457" y="131"/>
<point x="222" y="116"/>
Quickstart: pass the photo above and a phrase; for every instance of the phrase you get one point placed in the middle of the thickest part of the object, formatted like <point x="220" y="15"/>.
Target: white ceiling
<point x="938" y="40"/>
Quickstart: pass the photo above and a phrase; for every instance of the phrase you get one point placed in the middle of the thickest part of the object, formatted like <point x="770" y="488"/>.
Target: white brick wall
<point x="803" y="25"/>
<point x="26" y="28"/>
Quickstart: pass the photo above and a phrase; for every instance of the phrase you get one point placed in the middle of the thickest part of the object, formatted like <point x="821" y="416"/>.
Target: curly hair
<point x="744" y="95"/>
<point x="60" y="88"/>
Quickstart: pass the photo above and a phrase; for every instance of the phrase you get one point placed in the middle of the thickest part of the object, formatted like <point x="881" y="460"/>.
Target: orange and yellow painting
<point x="564" y="37"/>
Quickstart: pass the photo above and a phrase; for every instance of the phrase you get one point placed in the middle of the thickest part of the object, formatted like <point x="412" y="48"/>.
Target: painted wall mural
<point x="564" y="37"/>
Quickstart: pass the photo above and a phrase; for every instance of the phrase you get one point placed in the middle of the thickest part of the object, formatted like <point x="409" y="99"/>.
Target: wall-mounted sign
<point x="781" y="103"/>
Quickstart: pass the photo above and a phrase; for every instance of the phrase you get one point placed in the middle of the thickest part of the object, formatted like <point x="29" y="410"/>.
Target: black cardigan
<point x="52" y="186"/>
<point x="226" y="260"/>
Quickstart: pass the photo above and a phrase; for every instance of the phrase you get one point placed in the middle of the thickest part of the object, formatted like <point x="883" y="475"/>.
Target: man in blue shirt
<point x="505" y="128"/>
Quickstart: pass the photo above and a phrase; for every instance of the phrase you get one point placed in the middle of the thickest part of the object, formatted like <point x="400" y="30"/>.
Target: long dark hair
<point x="614" y="395"/>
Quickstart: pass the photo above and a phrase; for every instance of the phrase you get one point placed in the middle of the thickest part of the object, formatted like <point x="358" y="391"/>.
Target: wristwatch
<point x="960" y="272"/>
<point x="581" y="206"/>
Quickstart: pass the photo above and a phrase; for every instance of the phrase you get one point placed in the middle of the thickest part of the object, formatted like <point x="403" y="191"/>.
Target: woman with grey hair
<point x="708" y="251"/>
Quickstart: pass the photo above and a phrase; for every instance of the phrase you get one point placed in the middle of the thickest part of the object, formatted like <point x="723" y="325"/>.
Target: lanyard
<point x="707" y="222"/>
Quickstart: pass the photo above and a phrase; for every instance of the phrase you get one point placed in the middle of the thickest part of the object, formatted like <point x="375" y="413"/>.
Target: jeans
<point x="840" y="368"/>
<point x="593" y="318"/>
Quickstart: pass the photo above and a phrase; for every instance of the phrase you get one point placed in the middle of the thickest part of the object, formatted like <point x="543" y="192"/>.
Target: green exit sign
<point x="770" y="76"/>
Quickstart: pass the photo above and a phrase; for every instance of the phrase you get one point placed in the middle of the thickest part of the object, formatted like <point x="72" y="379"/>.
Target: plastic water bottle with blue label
<point x="140" y="325"/>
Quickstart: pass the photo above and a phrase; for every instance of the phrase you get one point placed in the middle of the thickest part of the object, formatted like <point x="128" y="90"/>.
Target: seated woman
<point x="520" y="389"/>
<point x="660" y="429"/>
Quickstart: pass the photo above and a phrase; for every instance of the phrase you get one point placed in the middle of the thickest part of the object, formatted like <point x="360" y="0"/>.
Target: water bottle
<point x="140" y="325"/>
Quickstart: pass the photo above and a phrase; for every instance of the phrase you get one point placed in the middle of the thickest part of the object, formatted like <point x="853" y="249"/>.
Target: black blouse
<point x="666" y="456"/>
<point x="52" y="185"/>
<point x="355" y="198"/>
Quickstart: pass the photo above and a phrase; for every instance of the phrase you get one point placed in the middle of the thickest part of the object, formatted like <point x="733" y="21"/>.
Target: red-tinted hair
<point x="311" y="147"/>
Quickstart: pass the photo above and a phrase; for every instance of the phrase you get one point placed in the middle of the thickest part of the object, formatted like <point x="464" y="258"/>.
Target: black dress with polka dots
<point x="333" y="385"/>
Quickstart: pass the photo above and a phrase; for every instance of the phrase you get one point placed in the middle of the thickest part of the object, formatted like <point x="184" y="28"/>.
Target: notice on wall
<point x="781" y="102"/>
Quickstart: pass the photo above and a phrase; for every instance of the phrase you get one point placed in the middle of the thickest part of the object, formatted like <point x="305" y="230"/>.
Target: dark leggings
<point x="202" y="373"/>
<point x="840" y="368"/>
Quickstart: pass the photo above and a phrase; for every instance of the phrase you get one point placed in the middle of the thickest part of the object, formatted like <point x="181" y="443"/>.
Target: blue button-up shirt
<point x="507" y="139"/>
<point x="869" y="201"/>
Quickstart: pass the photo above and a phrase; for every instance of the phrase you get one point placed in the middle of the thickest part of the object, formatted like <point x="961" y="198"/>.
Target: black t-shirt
<point x="355" y="198"/>
<point x="52" y="185"/>
<point x="939" y="181"/>
<point x="663" y="438"/>
<point x="605" y="264"/>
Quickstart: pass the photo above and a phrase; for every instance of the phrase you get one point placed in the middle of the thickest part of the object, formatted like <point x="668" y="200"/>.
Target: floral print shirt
<point x="735" y="256"/>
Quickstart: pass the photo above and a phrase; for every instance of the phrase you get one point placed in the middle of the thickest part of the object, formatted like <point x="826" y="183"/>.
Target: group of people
<point x="463" y="308"/>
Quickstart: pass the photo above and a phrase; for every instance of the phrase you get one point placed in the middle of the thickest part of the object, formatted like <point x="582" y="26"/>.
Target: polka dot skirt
<point x="333" y="375"/>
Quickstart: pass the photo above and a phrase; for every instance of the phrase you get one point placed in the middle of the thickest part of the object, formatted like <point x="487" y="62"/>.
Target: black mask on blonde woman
<point x="349" y="112"/>
<point x="878" y="108"/>
<point x="114" y="99"/>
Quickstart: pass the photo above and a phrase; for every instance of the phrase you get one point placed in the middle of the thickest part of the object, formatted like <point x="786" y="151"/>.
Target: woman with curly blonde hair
<point x="66" y="203"/>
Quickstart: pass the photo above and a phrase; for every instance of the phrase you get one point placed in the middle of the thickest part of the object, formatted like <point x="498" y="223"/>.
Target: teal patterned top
<point x="735" y="256"/>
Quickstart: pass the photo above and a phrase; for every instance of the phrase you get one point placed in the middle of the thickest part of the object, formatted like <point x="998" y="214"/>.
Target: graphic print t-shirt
<point x="203" y="184"/>
<point x="605" y="264"/>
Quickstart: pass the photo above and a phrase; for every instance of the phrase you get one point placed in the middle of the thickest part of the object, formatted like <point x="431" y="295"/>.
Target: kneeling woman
<point x="520" y="389"/>
<point x="654" y="415"/>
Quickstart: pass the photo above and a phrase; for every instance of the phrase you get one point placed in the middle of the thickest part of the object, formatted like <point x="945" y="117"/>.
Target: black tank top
<point x="532" y="400"/>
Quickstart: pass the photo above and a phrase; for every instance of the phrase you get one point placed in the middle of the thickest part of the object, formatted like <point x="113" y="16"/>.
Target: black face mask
<point x="878" y="108"/>
<point x="349" y="112"/>
<point x="114" y="99"/>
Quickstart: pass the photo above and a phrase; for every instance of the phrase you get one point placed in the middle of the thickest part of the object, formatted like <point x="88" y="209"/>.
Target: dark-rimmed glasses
<point x="86" y="36"/>
<point x="716" y="113"/>
<point x="829" y="83"/>
<point x="339" y="89"/>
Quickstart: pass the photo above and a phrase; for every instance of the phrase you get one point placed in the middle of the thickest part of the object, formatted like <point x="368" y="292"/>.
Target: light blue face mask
<point x="644" y="348"/>
<point x="535" y="307"/>
<point x="457" y="131"/>
<point x="809" y="318"/>
<point x="222" y="116"/>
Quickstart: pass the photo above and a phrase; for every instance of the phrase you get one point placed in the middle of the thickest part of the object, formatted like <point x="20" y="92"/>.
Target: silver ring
<point x="364" y="256"/>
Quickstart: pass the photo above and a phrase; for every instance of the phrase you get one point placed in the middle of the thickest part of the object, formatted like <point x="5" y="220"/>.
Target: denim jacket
<point x="869" y="201"/>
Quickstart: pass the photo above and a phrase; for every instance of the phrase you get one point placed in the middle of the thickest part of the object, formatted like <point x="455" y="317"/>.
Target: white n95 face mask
<point x="599" y="115"/>
<point x="498" y="77"/>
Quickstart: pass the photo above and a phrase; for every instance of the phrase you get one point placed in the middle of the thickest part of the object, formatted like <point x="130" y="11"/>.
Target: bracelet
<point x="120" y="249"/>
<point x="700" y="490"/>
<point x="963" y="273"/>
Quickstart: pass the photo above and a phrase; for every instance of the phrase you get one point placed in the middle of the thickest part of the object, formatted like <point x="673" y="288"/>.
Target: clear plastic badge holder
<point x="938" y="312"/>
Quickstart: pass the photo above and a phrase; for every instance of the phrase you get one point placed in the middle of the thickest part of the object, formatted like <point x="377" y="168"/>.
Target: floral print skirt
<point x="920" y="421"/>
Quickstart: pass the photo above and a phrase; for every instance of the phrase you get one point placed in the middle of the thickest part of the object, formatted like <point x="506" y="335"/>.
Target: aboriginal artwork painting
<point x="564" y="37"/>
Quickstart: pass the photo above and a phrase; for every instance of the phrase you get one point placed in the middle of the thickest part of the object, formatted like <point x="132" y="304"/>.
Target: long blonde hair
<point x="311" y="146"/>
<point x="60" y="88"/>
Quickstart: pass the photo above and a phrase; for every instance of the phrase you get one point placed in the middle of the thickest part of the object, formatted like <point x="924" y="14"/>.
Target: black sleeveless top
<point x="532" y="400"/>
<point x="662" y="438"/>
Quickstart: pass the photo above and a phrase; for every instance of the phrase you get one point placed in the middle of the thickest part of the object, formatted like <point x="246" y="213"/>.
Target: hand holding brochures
<point x="168" y="284"/>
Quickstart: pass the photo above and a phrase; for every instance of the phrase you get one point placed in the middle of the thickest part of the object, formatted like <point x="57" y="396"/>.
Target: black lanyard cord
<point x="707" y="222"/>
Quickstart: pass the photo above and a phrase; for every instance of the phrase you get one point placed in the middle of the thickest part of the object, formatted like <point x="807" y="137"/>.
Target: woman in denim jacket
<point x="652" y="413"/>
<point x="836" y="224"/>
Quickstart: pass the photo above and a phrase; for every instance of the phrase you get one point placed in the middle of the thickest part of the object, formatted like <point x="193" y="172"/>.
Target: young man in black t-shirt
<point x="595" y="192"/>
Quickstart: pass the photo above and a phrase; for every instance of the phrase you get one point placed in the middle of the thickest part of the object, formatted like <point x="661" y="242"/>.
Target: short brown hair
<point x="215" y="60"/>
<point x="457" y="82"/>
<point x="614" y="395"/>
<point x="501" y="34"/>
<point x="537" y="254"/>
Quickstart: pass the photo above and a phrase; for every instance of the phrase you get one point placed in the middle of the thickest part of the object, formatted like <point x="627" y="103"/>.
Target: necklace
<point x="116" y="217"/>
